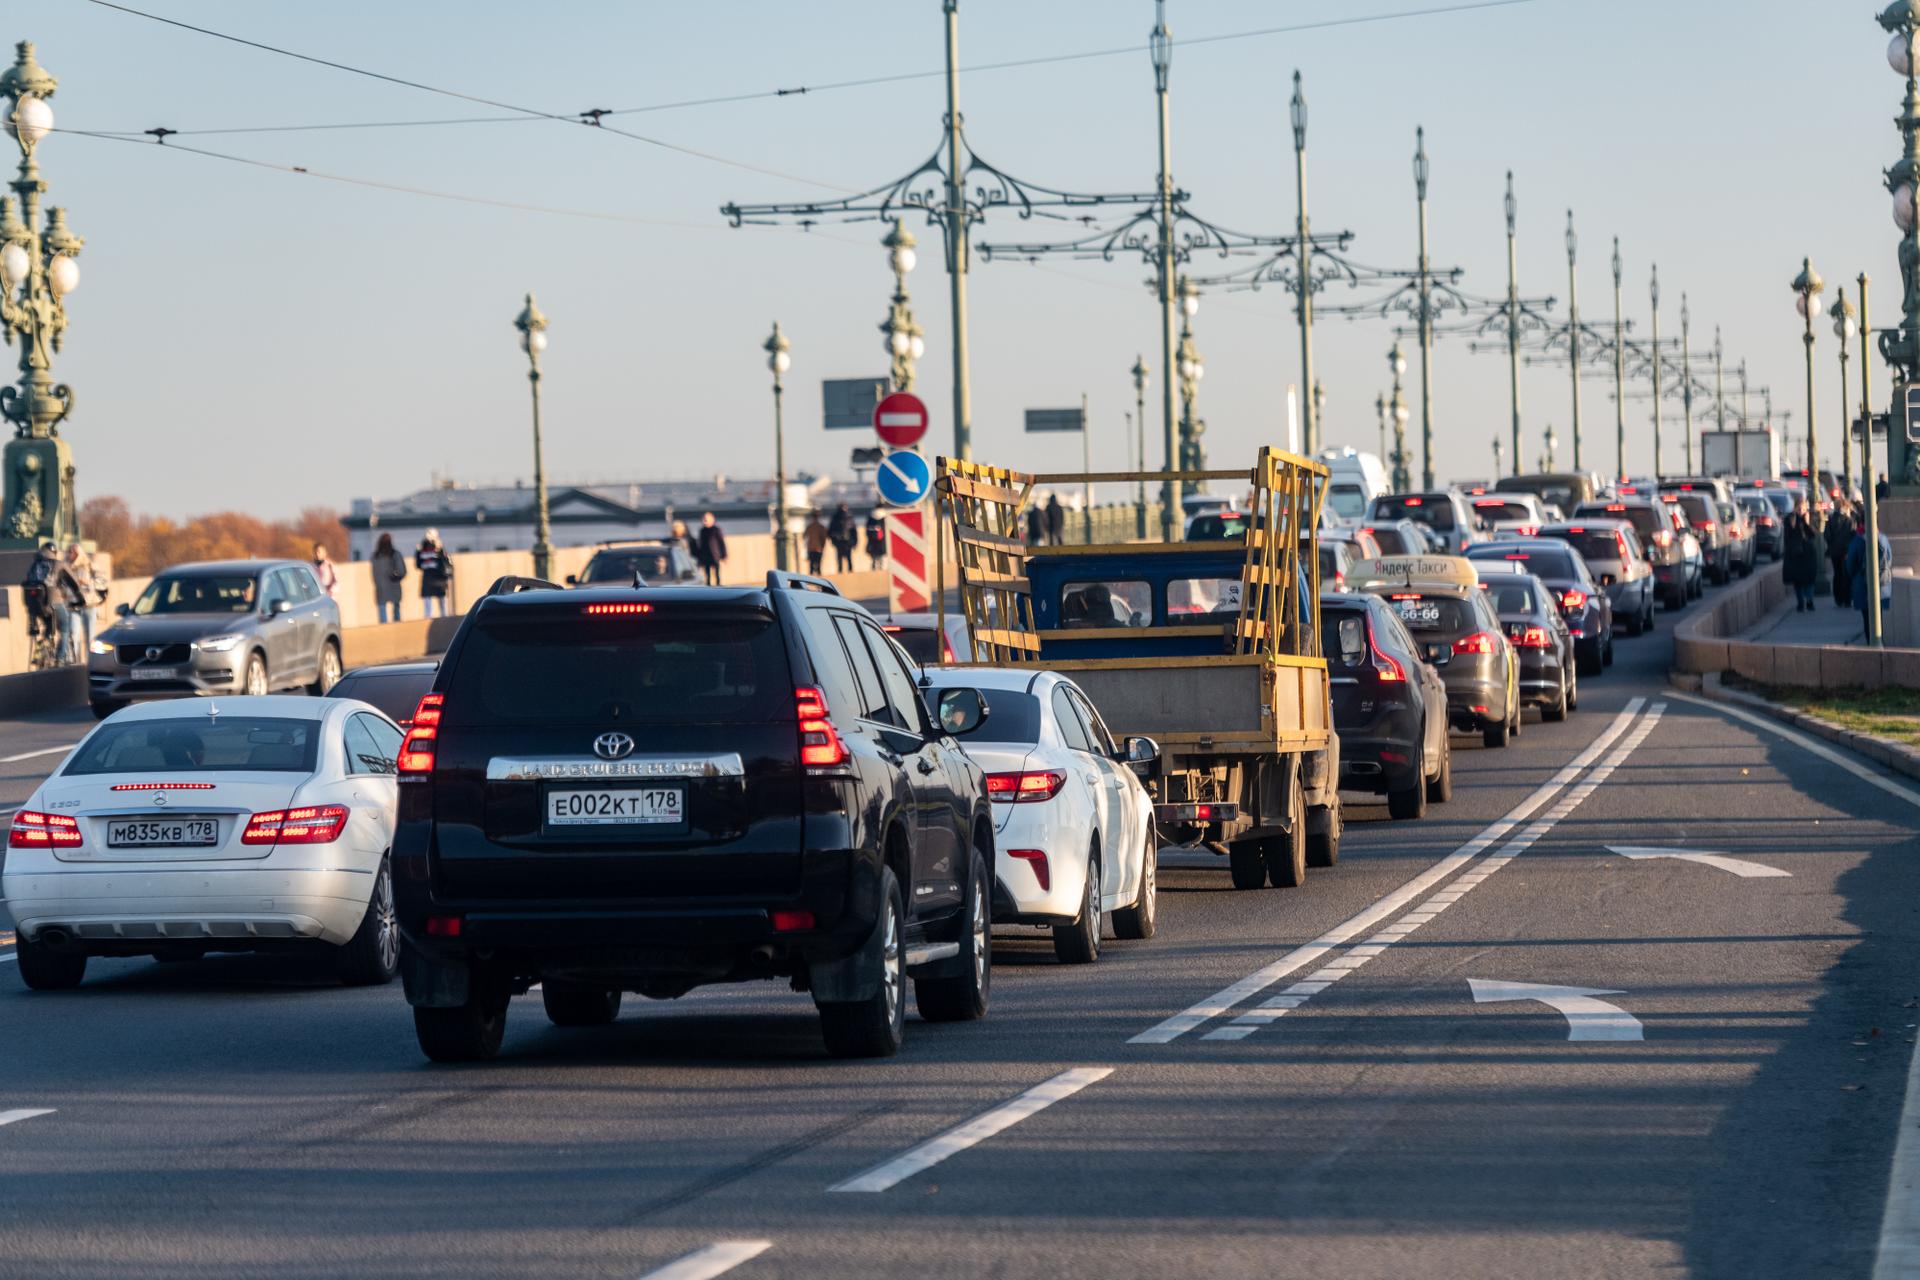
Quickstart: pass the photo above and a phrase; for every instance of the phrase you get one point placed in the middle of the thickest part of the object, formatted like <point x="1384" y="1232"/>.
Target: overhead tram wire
<point x="597" y="116"/>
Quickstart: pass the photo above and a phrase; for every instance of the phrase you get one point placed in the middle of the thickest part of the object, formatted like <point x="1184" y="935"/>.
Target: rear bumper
<point x="123" y="909"/>
<point x="1463" y="695"/>
<point x="1382" y="755"/>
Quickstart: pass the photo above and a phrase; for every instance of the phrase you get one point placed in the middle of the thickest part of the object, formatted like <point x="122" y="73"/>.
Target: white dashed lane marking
<point x="24" y="1113"/>
<point x="716" y="1259"/>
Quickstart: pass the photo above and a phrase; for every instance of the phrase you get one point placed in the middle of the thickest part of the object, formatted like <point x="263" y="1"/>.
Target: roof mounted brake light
<point x="602" y="610"/>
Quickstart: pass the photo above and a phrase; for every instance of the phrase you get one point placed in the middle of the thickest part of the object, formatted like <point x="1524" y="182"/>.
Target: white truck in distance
<point x="1749" y="453"/>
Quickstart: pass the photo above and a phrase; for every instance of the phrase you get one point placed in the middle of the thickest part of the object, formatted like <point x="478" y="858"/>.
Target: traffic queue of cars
<point x="642" y="786"/>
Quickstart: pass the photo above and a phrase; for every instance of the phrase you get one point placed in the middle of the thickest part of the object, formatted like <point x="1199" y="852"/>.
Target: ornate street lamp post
<point x="1191" y="369"/>
<point x="1160" y="49"/>
<point x="905" y="339"/>
<point x="1297" y="109"/>
<point x="1807" y="288"/>
<point x="779" y="360"/>
<point x="1402" y="473"/>
<point x="1874" y="636"/>
<point x="37" y="271"/>
<point x="1901" y="348"/>
<point x="1686" y="377"/>
<point x="1380" y="412"/>
<point x="1499" y="456"/>
<point x="1513" y="315"/>
<point x="1719" y="381"/>
<point x="1553" y="448"/>
<point x="533" y="340"/>
<point x="1319" y="404"/>
<point x="1659" y="473"/>
<point x="1845" y="327"/>
<point x="1573" y="330"/>
<point x="1422" y="171"/>
<point x="1140" y="377"/>
<point x="1619" y="372"/>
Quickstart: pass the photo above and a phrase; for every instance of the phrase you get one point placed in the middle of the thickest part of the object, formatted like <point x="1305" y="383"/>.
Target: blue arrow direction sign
<point x="904" y="478"/>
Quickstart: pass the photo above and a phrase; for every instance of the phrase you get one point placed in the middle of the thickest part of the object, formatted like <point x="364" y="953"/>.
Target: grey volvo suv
<point x="226" y="626"/>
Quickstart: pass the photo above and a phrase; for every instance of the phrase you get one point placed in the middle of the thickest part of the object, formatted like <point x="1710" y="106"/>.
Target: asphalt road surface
<point x="1336" y="1081"/>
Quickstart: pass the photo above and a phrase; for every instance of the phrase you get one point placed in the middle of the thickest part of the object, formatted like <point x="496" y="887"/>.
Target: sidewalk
<point x="1827" y="624"/>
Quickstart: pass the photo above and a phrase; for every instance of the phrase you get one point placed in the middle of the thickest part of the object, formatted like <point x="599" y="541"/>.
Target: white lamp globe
<point x="1897" y="55"/>
<point x="1400" y="414"/>
<point x="1199" y="370"/>
<point x="30" y="120"/>
<point x="534" y="341"/>
<point x="14" y="264"/>
<point x="63" y="273"/>
<point x="1801" y="301"/>
<point x="916" y="346"/>
<point x="1903" y="206"/>
<point x="899" y="342"/>
<point x="779" y="362"/>
<point x="1190" y="304"/>
<point x="904" y="260"/>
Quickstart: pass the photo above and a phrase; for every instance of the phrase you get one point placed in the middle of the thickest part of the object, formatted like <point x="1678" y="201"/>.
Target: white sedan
<point x="1074" y="834"/>
<point x="224" y="824"/>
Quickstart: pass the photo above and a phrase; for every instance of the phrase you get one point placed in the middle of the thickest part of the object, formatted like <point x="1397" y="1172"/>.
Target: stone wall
<point x="1706" y="643"/>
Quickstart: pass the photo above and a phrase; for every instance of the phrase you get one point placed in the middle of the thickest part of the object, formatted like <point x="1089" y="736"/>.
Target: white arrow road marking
<point x="976" y="1130"/>
<point x="1587" y="1018"/>
<point x="715" y="1260"/>
<point x="1738" y="866"/>
<point x="26" y="1113"/>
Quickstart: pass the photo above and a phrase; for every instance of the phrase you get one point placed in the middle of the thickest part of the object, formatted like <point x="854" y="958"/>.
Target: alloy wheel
<point x="978" y="938"/>
<point x="893" y="971"/>
<point x="387" y="924"/>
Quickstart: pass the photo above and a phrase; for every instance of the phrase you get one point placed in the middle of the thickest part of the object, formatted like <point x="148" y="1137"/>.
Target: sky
<point x="250" y="338"/>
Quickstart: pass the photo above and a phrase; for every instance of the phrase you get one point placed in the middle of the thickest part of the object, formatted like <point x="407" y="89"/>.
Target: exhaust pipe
<point x="54" y="938"/>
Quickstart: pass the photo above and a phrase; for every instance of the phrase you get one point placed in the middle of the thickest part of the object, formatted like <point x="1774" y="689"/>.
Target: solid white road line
<point x="25" y="1113"/>
<point x="1738" y="866"/>
<point x="1831" y="756"/>
<point x="44" y="751"/>
<point x="1587" y="1018"/>
<point x="978" y="1129"/>
<point x="715" y="1260"/>
<point x="1271" y="1011"/>
<point x="1254" y="983"/>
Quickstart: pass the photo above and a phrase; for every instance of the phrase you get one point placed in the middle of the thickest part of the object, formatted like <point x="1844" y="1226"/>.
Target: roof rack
<point x="513" y="584"/>
<point x="778" y="580"/>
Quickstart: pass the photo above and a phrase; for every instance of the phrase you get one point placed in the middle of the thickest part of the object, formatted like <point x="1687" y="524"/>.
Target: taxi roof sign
<point x="1415" y="571"/>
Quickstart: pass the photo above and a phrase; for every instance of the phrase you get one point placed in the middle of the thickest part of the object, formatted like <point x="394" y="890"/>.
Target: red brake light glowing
<point x="1534" y="638"/>
<point x="1037" y="859"/>
<point x="1024" y="788"/>
<point x="317" y="824"/>
<point x="444" y="926"/>
<point x="416" y="753"/>
<point x="1709" y="525"/>
<point x="1518" y="555"/>
<point x="791" y="921"/>
<point x="1484" y="643"/>
<point x="1616" y="506"/>
<point x="43" y="831"/>
<point x="1385" y="666"/>
<point x="163" y="786"/>
<point x="820" y="743"/>
<point x="1573" y="600"/>
<point x="1414" y="502"/>
<point x="602" y="610"/>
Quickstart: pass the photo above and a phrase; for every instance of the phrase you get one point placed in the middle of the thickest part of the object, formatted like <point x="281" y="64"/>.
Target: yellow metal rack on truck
<point x="1211" y="649"/>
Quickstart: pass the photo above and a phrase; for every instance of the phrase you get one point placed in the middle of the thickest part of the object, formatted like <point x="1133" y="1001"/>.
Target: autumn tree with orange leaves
<point x="142" y="545"/>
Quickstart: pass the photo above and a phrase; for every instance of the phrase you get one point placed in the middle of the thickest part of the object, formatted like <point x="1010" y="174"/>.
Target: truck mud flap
<point x="852" y="977"/>
<point x="431" y="982"/>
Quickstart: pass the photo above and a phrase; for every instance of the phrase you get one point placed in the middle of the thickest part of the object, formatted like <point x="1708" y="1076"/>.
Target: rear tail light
<point x="1037" y="859"/>
<point x="1766" y="522"/>
<point x="1708" y="526"/>
<point x="444" y="926"/>
<point x="1021" y="788"/>
<point x="1385" y="665"/>
<point x="416" y="753"/>
<point x="1534" y="638"/>
<point x="1480" y="642"/>
<point x="1339" y="581"/>
<point x="820" y="744"/>
<point x="946" y="651"/>
<point x="792" y="921"/>
<point x="315" y="824"/>
<point x="1573" y="600"/>
<point x="43" y="831"/>
<point x="1663" y="538"/>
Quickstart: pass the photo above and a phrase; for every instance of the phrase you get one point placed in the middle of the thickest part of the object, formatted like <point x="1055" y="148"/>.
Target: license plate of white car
<point x="155" y="673"/>
<point x="615" y="806"/>
<point x="140" y="833"/>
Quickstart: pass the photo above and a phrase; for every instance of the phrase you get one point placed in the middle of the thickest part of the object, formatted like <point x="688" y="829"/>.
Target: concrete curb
<point x="1896" y="756"/>
<point x="32" y="691"/>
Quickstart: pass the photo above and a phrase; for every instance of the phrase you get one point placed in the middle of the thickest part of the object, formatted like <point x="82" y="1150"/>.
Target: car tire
<point x="1248" y="864"/>
<point x="570" y="1006"/>
<point x="371" y="956"/>
<point x="45" y="970"/>
<point x="469" y="1032"/>
<point x="101" y="710"/>
<point x="328" y="670"/>
<point x="1410" y="802"/>
<point x="1079" y="941"/>
<point x="1286" y="856"/>
<point x="1573" y="690"/>
<point x="1495" y="735"/>
<point x="254" y="682"/>
<point x="963" y="997"/>
<point x="1606" y="652"/>
<point x="874" y="1027"/>
<point x="1558" y="711"/>
<point x="1323" y="847"/>
<point x="1590" y="664"/>
<point x="1649" y="622"/>
<point x="1520" y="716"/>
<point x="1440" y="786"/>
<point x="1142" y="920"/>
<point x="1676" y="600"/>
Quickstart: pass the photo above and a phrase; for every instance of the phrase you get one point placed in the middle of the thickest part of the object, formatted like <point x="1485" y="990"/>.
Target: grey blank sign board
<point x="847" y="404"/>
<point x="1055" y="420"/>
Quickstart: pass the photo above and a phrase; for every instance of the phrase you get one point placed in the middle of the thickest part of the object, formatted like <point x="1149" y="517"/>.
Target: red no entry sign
<point x="900" y="418"/>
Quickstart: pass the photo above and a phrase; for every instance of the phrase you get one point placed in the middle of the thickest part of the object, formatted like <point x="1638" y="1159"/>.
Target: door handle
<point x="890" y="756"/>
<point x="924" y="765"/>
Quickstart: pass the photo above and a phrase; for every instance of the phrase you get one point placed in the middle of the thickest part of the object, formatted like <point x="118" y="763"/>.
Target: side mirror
<point x="122" y="609"/>
<point x="961" y="711"/>
<point x="573" y="579"/>
<point x="279" y="607"/>
<point x="1142" y="755"/>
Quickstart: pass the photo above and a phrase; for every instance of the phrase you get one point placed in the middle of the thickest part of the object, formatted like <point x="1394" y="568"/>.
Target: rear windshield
<point x="1349" y="501"/>
<point x="1395" y="542"/>
<point x="1700" y="509"/>
<point x="1434" y="510"/>
<point x="1562" y="493"/>
<point x="1594" y="544"/>
<point x="1433" y="615"/>
<point x="1645" y="520"/>
<point x="921" y="643"/>
<point x="198" y="593"/>
<point x="1782" y="501"/>
<point x="202" y="744"/>
<point x="1545" y="564"/>
<point x="654" y="668"/>
<point x="1502" y="509"/>
<point x="395" y="692"/>
<point x="1229" y="527"/>
<point x="1509" y="598"/>
<point x="1012" y="716"/>
<point x="654" y="563"/>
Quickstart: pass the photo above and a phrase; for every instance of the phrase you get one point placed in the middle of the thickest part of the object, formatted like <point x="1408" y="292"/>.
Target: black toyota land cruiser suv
<point x="648" y="790"/>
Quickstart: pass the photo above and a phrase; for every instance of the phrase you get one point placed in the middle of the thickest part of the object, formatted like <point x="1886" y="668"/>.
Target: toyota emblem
<point x="612" y="746"/>
<point x="153" y="654"/>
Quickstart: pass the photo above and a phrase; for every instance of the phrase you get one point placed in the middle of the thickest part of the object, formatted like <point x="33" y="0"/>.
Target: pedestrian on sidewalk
<point x="1856" y="570"/>
<point x="436" y="574"/>
<point x="389" y="571"/>
<point x="1839" y="543"/>
<point x="844" y="533"/>
<point x="1882" y="490"/>
<point x="1036" y="526"/>
<point x="677" y="536"/>
<point x="710" y="549"/>
<point x="876" y="539"/>
<point x="1056" y="520"/>
<point x="1801" y="566"/>
<point x="815" y="538"/>
<point x="323" y="570"/>
<point x="93" y="594"/>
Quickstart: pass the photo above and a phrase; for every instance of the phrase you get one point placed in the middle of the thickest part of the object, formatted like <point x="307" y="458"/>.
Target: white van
<point x="1357" y="479"/>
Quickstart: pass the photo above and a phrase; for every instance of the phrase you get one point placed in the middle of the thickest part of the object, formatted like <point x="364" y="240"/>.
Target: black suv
<point x="649" y="790"/>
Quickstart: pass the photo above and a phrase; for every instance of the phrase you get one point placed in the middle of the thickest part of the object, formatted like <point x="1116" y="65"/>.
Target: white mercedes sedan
<point x="1074" y="835"/>
<point x="180" y="828"/>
